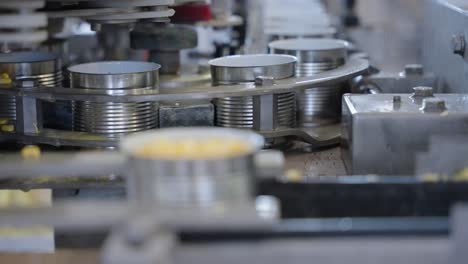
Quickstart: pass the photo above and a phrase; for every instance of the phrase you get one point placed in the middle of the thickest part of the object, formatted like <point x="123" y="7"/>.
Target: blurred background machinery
<point x="175" y="131"/>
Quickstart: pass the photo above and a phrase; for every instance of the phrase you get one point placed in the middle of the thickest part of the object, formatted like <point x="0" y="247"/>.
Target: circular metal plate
<point x="114" y="75"/>
<point x="245" y="68"/>
<point x="309" y="44"/>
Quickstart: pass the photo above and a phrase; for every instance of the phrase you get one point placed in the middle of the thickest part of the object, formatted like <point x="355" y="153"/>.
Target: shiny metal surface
<point x="315" y="32"/>
<point x="115" y="119"/>
<point x="319" y="105"/>
<point x="40" y="67"/>
<point x="114" y="75"/>
<point x="192" y="183"/>
<point x="245" y="68"/>
<point x="383" y="133"/>
<point x="350" y="69"/>
<point x="238" y="112"/>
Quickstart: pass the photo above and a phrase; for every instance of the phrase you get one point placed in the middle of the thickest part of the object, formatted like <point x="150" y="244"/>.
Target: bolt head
<point x="265" y="80"/>
<point x="423" y="91"/>
<point x="414" y="69"/>
<point x="459" y="44"/>
<point x="396" y="99"/>
<point x="433" y="105"/>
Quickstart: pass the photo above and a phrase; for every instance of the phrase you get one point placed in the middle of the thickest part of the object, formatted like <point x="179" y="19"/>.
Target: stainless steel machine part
<point x="164" y="43"/>
<point x="445" y="159"/>
<point x="443" y="43"/>
<point x="413" y="75"/>
<point x="315" y="32"/>
<point x="20" y="25"/>
<point x="191" y="182"/>
<point x="318" y="105"/>
<point x="16" y="68"/>
<point x="187" y="114"/>
<point x="116" y="78"/>
<point x="351" y="69"/>
<point x="382" y="133"/>
<point x="239" y="112"/>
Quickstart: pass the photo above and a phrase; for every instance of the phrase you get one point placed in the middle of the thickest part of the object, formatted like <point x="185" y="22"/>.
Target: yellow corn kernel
<point x="7" y="128"/>
<point x="31" y="152"/>
<point x="461" y="176"/>
<point x="5" y="79"/>
<point x="193" y="149"/>
<point x="294" y="175"/>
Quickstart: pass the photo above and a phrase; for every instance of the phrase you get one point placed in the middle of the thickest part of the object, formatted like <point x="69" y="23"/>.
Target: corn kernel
<point x="5" y="79"/>
<point x="31" y="152"/>
<point x="192" y="149"/>
<point x="7" y="128"/>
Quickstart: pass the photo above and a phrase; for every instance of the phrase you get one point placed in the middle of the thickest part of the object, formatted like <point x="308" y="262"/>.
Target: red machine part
<point x="191" y="13"/>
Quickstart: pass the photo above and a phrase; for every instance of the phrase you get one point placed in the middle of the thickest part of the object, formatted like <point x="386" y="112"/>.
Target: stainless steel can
<point x="238" y="112"/>
<point x="118" y="78"/>
<point x="196" y="182"/>
<point x="317" y="105"/>
<point x="43" y="69"/>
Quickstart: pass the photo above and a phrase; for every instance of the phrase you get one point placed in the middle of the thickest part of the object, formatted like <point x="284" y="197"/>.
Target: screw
<point x="433" y="105"/>
<point x="265" y="80"/>
<point x="459" y="44"/>
<point x="414" y="69"/>
<point x="423" y="91"/>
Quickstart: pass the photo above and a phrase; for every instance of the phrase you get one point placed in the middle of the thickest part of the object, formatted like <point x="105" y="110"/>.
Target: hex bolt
<point x="414" y="69"/>
<point x="433" y="105"/>
<point x="459" y="44"/>
<point x="265" y="81"/>
<point x="423" y="91"/>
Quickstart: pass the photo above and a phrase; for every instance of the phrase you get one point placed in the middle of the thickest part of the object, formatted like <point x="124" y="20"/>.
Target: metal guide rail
<point x="29" y="127"/>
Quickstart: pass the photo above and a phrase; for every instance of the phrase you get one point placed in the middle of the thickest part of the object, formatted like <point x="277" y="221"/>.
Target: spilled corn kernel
<point x="31" y="152"/>
<point x="5" y="79"/>
<point x="7" y="128"/>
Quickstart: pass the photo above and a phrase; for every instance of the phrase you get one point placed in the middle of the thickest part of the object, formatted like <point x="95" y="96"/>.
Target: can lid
<point x="26" y="57"/>
<point x="310" y="44"/>
<point x="246" y="68"/>
<point x="310" y="32"/>
<point x="114" y="67"/>
<point x="115" y="75"/>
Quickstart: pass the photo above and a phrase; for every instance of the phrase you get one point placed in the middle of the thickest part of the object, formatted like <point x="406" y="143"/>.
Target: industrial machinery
<point x="234" y="131"/>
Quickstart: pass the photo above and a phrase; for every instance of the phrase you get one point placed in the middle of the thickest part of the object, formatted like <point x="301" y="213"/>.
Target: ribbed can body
<point x="238" y="112"/>
<point x="42" y="68"/>
<point x="318" y="105"/>
<point x="114" y="119"/>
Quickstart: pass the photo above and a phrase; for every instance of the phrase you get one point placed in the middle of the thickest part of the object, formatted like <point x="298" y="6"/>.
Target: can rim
<point x="252" y="61"/>
<point x="132" y="143"/>
<point x="309" y="44"/>
<point x="114" y="68"/>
